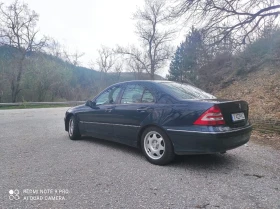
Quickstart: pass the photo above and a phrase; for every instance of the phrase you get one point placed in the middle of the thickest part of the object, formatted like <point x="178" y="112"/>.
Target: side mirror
<point x="90" y="103"/>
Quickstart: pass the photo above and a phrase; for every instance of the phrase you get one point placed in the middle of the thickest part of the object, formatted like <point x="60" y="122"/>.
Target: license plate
<point x="238" y="116"/>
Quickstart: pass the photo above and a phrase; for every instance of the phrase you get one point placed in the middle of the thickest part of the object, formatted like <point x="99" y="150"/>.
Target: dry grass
<point x="260" y="89"/>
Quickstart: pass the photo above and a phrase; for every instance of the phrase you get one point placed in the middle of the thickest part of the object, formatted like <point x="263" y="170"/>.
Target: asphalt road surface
<point x="40" y="167"/>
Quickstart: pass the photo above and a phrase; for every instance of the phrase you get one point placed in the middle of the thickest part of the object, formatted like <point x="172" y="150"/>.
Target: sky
<point x="86" y="25"/>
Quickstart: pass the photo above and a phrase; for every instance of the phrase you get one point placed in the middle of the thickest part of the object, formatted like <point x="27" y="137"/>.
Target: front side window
<point x="109" y="96"/>
<point x="136" y="94"/>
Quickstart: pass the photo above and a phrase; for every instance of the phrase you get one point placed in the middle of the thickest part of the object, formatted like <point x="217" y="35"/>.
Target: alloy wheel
<point x="71" y="127"/>
<point x="154" y="145"/>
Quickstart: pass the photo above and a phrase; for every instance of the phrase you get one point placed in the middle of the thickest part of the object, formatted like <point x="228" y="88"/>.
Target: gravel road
<point x="42" y="167"/>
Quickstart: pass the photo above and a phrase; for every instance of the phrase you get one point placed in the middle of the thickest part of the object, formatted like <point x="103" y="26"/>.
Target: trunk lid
<point x="232" y="112"/>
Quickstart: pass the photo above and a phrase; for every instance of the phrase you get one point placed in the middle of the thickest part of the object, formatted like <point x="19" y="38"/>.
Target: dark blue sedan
<point x="162" y="118"/>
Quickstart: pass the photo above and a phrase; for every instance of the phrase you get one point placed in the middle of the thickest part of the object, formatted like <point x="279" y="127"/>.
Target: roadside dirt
<point x="272" y="140"/>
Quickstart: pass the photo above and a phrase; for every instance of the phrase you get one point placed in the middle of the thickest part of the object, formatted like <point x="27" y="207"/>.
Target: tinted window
<point x="147" y="97"/>
<point x="136" y="94"/>
<point x="184" y="91"/>
<point x="109" y="96"/>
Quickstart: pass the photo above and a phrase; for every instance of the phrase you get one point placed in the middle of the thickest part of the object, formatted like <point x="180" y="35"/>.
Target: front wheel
<point x="73" y="129"/>
<point x="156" y="146"/>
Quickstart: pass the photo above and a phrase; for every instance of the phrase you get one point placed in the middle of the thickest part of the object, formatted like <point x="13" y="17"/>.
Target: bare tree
<point x="136" y="62"/>
<point x="153" y="35"/>
<point x="118" y="68"/>
<point x="105" y="62"/>
<point x="135" y="55"/>
<point x="136" y="67"/>
<point x="106" y="59"/>
<point x="72" y="58"/>
<point x="222" y="18"/>
<point x="18" y="30"/>
<point x="58" y="50"/>
<point x="55" y="48"/>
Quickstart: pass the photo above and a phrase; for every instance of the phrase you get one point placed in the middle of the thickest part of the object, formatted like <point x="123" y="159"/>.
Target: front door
<point x="136" y="104"/>
<point x="98" y="120"/>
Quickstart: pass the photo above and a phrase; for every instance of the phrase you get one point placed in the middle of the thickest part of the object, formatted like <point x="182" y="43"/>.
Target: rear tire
<point x="73" y="128"/>
<point x="157" y="146"/>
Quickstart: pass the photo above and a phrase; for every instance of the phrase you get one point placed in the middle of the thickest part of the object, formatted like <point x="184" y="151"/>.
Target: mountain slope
<point x="261" y="89"/>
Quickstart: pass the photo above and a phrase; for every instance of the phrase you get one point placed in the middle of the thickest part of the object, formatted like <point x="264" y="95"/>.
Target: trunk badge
<point x="239" y="105"/>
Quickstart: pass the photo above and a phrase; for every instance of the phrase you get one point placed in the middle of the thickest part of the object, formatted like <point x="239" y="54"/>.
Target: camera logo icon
<point x="14" y="194"/>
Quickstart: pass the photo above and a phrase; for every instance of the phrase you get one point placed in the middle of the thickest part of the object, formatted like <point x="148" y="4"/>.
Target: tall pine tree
<point x="176" y="68"/>
<point x="187" y="59"/>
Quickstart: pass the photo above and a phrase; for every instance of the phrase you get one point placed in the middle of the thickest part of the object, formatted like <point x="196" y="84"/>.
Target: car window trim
<point x="117" y="99"/>
<point x="144" y="87"/>
<point x="136" y="104"/>
<point x="125" y="89"/>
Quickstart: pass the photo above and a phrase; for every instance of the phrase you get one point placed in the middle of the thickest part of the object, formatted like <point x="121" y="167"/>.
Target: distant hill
<point x="49" y="78"/>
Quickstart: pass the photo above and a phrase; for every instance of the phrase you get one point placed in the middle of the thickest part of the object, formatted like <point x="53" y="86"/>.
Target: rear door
<point x="136" y="103"/>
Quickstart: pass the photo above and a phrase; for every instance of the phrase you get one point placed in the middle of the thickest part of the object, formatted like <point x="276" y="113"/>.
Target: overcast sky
<point x="85" y="25"/>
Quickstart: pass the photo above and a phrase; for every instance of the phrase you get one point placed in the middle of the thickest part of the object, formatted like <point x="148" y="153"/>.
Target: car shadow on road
<point x="113" y="145"/>
<point x="201" y="162"/>
<point x="212" y="161"/>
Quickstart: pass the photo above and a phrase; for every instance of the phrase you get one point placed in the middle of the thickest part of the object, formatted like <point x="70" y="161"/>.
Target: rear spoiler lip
<point x="214" y="101"/>
<point x="217" y="101"/>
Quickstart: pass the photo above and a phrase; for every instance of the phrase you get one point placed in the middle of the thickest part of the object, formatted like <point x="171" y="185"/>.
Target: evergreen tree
<point x="176" y="68"/>
<point x="187" y="59"/>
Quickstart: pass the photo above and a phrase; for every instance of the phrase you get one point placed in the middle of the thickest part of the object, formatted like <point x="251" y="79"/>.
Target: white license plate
<point x="238" y="116"/>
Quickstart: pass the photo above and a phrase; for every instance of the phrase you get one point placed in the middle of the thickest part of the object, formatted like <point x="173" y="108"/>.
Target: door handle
<point x="109" y="109"/>
<point x="145" y="109"/>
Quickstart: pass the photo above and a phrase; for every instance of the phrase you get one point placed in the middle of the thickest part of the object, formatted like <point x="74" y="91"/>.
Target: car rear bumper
<point x="212" y="141"/>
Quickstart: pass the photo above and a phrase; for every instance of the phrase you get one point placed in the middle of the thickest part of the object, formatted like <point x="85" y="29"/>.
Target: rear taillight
<point x="211" y="117"/>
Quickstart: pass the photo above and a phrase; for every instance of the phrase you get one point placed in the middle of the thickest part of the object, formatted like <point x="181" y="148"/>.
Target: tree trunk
<point x="15" y="86"/>
<point x="152" y="74"/>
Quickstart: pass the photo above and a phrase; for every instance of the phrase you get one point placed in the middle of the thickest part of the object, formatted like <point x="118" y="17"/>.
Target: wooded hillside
<point x="48" y="78"/>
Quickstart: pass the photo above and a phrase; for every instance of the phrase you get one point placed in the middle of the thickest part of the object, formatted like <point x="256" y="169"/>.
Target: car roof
<point x="145" y="81"/>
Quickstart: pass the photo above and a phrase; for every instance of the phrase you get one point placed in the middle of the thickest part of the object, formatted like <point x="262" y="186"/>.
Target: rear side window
<point x="147" y="97"/>
<point x="184" y="91"/>
<point x="134" y="93"/>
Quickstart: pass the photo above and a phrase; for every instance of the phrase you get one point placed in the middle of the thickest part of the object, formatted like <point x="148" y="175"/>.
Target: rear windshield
<point x="184" y="91"/>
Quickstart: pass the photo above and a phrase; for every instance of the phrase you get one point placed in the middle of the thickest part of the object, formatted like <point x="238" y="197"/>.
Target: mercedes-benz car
<point x="162" y="118"/>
